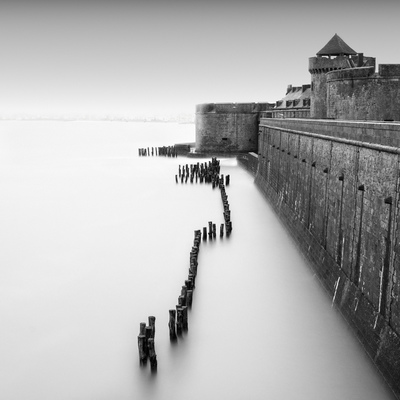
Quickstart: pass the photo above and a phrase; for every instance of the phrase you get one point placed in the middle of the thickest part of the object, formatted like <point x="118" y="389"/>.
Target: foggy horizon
<point x="160" y="58"/>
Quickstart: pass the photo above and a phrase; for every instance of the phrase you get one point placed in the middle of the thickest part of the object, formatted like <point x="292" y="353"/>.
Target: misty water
<point x="94" y="239"/>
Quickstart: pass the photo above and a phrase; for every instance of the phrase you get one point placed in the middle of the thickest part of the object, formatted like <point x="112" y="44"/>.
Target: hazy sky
<point x="168" y="55"/>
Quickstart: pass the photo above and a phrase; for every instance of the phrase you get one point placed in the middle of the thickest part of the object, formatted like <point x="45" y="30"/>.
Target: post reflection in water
<point x="95" y="239"/>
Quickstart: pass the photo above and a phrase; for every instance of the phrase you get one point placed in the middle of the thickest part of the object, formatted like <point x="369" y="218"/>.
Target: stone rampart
<point x="318" y="67"/>
<point x="361" y="94"/>
<point x="335" y="186"/>
<point x="228" y="127"/>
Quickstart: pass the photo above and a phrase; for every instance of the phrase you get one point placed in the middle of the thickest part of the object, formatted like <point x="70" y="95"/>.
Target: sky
<point x="127" y="57"/>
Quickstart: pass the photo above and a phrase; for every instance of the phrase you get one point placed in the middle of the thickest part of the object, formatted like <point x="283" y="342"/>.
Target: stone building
<point x="295" y="104"/>
<point x="345" y="86"/>
<point x="228" y="127"/>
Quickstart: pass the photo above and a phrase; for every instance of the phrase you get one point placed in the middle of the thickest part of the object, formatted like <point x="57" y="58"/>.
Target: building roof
<point x="336" y="47"/>
<point x="294" y="97"/>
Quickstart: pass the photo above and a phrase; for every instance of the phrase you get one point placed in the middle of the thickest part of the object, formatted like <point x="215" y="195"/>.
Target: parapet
<point x="351" y="73"/>
<point x="232" y="108"/>
<point x="318" y="65"/>
<point x="362" y="94"/>
<point x="389" y="70"/>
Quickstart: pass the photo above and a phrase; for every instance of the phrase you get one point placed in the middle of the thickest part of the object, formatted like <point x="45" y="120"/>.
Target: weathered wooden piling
<point x="204" y="233"/>
<point x="142" y="343"/>
<point x="171" y="324"/>
<point x="189" y="298"/>
<point x="142" y="349"/>
<point x="142" y="330"/>
<point x="192" y="280"/>
<point x="148" y="336"/>
<point x="221" y="230"/>
<point x="152" y="324"/>
<point x="179" y="320"/>
<point x="181" y="301"/>
<point x="193" y="269"/>
<point x="184" y="294"/>
<point x="227" y="180"/>
<point x="152" y="355"/>
<point x="185" y="324"/>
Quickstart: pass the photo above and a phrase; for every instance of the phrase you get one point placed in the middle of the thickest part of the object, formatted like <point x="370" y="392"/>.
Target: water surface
<point x="94" y="239"/>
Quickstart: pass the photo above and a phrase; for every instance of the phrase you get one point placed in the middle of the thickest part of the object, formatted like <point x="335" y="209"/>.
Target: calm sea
<point x="94" y="239"/>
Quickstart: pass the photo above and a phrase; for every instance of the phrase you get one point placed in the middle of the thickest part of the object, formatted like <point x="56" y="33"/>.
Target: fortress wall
<point x="318" y="107"/>
<point x="350" y="92"/>
<point x="228" y="127"/>
<point x="337" y="192"/>
<point x="318" y="67"/>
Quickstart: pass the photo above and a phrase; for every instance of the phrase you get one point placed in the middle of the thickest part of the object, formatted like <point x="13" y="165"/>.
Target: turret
<point x="336" y="54"/>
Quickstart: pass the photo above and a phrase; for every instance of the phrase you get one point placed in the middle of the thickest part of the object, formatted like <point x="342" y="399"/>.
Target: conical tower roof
<point x="336" y="47"/>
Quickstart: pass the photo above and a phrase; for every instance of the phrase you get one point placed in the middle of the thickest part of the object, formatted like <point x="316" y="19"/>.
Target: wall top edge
<point x="208" y="108"/>
<point x="386" y="125"/>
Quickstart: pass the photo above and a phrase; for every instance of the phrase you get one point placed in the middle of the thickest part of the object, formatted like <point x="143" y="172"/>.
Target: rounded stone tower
<point x="228" y="127"/>
<point x="335" y="55"/>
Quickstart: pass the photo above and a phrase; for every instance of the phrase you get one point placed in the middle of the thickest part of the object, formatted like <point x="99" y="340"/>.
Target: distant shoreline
<point x="97" y="120"/>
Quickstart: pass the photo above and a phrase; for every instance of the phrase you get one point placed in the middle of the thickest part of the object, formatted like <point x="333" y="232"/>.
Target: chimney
<point x="289" y="88"/>
<point x="360" y="59"/>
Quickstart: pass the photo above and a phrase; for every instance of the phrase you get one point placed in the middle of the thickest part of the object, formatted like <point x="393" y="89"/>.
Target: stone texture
<point x="228" y="128"/>
<point x="339" y="199"/>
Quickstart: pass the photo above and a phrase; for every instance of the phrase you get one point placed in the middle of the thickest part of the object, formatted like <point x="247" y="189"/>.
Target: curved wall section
<point x="228" y="127"/>
<point x="318" y="68"/>
<point x="359" y="94"/>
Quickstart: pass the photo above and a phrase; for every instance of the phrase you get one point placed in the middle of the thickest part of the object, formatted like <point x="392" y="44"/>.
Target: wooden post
<point x="192" y="279"/>
<point x="148" y="336"/>
<point x="142" y="328"/>
<point x="185" y="318"/>
<point x="171" y="324"/>
<point x="152" y="324"/>
<point x="142" y="344"/>
<point x="142" y="351"/>
<point x="179" y="320"/>
<point x="221" y="230"/>
<point x="184" y="294"/>
<point x="152" y="355"/>
<point x="189" y="298"/>
<point x="181" y="301"/>
<point x="204" y="233"/>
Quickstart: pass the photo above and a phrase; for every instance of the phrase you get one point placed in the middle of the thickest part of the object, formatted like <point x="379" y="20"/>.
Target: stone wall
<point x="360" y="94"/>
<point x="249" y="161"/>
<point x="229" y="127"/>
<point x="335" y="185"/>
<point x="318" y="68"/>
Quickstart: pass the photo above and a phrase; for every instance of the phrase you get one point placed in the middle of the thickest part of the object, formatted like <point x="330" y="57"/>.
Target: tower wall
<point x="360" y="94"/>
<point x="318" y="68"/>
<point x="228" y="128"/>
